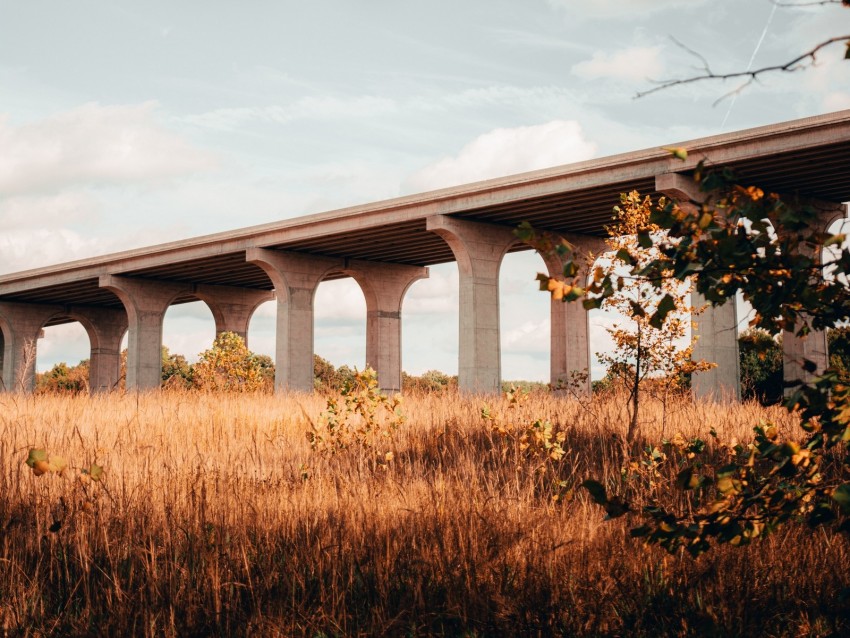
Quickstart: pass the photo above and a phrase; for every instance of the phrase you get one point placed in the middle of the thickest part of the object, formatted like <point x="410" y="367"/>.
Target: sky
<point x="126" y="124"/>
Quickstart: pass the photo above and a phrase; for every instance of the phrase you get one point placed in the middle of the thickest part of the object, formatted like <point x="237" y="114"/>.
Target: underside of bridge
<point x="386" y="245"/>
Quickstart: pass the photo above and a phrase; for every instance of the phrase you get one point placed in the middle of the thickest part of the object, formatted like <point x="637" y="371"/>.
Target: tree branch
<point x="802" y="61"/>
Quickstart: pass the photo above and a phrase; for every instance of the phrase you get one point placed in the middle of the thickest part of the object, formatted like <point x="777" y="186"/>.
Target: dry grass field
<point x="214" y="517"/>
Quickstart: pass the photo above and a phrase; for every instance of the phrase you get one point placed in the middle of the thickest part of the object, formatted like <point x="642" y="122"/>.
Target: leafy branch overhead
<point x="741" y="239"/>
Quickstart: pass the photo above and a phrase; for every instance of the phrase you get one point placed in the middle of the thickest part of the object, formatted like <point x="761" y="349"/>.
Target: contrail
<point x="750" y="65"/>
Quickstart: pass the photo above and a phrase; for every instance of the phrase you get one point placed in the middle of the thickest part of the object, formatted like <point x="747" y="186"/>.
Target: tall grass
<point x="214" y="517"/>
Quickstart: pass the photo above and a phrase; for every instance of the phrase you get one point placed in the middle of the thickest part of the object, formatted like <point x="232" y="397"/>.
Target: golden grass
<point x="205" y="524"/>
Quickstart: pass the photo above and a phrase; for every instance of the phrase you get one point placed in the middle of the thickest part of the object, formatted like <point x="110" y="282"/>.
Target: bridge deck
<point x="809" y="157"/>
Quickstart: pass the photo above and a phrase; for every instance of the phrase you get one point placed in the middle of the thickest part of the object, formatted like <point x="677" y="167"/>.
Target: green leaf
<point x="35" y="456"/>
<point x="665" y="307"/>
<point x="841" y="495"/>
<point x="597" y="491"/>
<point x="625" y="256"/>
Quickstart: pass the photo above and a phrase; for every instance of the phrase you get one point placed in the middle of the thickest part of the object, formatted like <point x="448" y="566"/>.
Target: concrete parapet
<point x="384" y="286"/>
<point x="295" y="277"/>
<point x="478" y="249"/>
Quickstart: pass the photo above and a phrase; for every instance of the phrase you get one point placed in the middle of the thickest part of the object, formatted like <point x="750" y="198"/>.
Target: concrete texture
<point x="715" y="328"/>
<point x="570" y="354"/>
<point x="716" y="335"/>
<point x="145" y="302"/>
<point x="105" y="328"/>
<point x="295" y="279"/>
<point x="232" y="307"/>
<point x="384" y="287"/>
<point x="21" y="326"/>
<point x="813" y="347"/>
<point x="478" y="250"/>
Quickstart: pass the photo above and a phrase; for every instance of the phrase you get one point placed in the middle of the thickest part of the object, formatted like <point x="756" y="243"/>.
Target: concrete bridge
<point x="386" y="246"/>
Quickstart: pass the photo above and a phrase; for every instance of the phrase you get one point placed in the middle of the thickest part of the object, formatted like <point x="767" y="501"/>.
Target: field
<point x="214" y="516"/>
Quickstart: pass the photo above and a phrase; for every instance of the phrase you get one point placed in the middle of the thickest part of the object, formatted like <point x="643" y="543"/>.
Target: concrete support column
<point x="231" y="306"/>
<point x="570" y="353"/>
<point x="145" y="302"/>
<point x="814" y="346"/>
<point x="384" y="286"/>
<point x="21" y="325"/>
<point x="478" y="249"/>
<point x="716" y="334"/>
<point x="715" y="329"/>
<point x="295" y="277"/>
<point x="106" y="328"/>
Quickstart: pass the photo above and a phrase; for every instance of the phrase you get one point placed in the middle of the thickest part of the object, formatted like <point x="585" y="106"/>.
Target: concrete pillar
<point x="145" y="302"/>
<point x="814" y="346"/>
<point x="570" y="355"/>
<point x="716" y="334"/>
<point x="106" y="328"/>
<point x="295" y="277"/>
<point x="384" y="286"/>
<point x="715" y="329"/>
<point x="21" y="325"/>
<point x="478" y="249"/>
<point x="232" y="306"/>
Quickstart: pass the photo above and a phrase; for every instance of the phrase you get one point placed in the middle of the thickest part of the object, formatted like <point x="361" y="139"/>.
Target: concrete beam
<point x="384" y="286"/>
<point x="295" y="277"/>
<point x="478" y="249"/>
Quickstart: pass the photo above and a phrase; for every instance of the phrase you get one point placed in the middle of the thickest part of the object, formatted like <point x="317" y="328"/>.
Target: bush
<point x="761" y="366"/>
<point x="229" y="366"/>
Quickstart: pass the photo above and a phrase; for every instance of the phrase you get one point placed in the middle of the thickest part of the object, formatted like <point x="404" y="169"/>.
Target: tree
<point x="800" y="61"/>
<point x="761" y="366"/>
<point x="839" y="352"/>
<point x="228" y="366"/>
<point x="643" y="348"/>
<point x="63" y="378"/>
<point x="725" y="242"/>
<point x="176" y="371"/>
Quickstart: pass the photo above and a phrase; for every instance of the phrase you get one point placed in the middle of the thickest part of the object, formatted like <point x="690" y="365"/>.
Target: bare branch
<point x="802" y="61"/>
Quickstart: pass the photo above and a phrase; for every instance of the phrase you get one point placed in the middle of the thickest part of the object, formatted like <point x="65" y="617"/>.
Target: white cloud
<point x="437" y="295"/>
<point x="94" y="145"/>
<point x="306" y="108"/>
<point x="505" y="151"/>
<point x="26" y="211"/>
<point x="20" y="250"/>
<point x="339" y="300"/>
<point x="616" y="8"/>
<point x="627" y="65"/>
